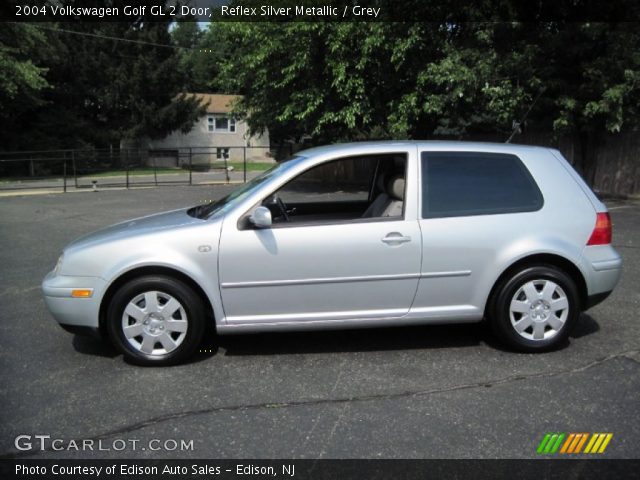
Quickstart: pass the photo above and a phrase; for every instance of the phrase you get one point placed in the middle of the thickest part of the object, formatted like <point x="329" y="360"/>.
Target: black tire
<point x="501" y="317"/>
<point x="166" y="286"/>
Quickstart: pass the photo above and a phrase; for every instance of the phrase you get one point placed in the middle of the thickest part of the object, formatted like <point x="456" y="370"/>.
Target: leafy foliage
<point x="320" y="81"/>
<point x="203" y="53"/>
<point x="88" y="89"/>
<point x="335" y="81"/>
<point x="22" y="79"/>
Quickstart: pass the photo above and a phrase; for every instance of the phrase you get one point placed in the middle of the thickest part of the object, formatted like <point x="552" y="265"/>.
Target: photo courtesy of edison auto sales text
<point x="124" y="469"/>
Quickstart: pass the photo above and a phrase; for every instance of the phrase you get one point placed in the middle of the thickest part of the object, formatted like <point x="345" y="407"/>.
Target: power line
<point x="107" y="37"/>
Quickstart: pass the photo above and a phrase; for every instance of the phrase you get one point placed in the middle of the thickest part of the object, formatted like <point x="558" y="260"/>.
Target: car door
<point x="325" y="270"/>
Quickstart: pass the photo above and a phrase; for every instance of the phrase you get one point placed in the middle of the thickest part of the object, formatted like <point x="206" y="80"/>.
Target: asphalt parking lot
<point x="420" y="392"/>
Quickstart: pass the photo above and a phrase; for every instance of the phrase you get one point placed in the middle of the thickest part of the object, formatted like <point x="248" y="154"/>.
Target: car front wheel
<point x="535" y="309"/>
<point x="156" y="320"/>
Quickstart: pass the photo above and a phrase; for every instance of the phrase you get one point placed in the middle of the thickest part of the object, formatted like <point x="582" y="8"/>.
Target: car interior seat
<point x="390" y="201"/>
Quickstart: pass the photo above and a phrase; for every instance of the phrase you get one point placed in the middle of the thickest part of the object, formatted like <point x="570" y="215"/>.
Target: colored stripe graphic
<point x="596" y="447"/>
<point x="543" y="443"/>
<point x="594" y="437"/>
<point x="581" y="443"/>
<point x="550" y="443"/>
<point x="573" y="443"/>
<point x="598" y="443"/>
<point x="605" y="443"/>
<point x="567" y="443"/>
<point x="554" y="449"/>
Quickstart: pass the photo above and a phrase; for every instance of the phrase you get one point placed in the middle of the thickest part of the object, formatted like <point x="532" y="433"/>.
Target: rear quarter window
<point x="475" y="183"/>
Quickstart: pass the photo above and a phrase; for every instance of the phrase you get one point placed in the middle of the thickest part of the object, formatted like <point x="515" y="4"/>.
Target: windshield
<point x="208" y="209"/>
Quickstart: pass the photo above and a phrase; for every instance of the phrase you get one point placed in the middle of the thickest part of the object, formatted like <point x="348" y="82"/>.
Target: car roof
<point x="430" y="144"/>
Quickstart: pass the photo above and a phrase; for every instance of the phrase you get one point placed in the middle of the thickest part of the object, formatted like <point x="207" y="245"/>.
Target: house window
<point x="222" y="153"/>
<point x="221" y="124"/>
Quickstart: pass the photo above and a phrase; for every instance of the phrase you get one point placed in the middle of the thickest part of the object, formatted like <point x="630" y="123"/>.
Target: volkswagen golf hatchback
<point x="347" y="236"/>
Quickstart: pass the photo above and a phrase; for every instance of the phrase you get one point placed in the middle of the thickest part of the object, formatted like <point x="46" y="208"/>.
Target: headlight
<point x="58" y="264"/>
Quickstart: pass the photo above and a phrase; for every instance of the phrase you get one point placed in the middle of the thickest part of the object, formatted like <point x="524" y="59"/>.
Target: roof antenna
<point x="516" y="125"/>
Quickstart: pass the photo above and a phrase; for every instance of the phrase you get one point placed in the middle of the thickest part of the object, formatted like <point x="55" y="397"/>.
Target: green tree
<point x="113" y="90"/>
<point x="202" y="53"/>
<point x="345" y="81"/>
<point x="591" y="72"/>
<point x="105" y="82"/>
<point x="22" y="78"/>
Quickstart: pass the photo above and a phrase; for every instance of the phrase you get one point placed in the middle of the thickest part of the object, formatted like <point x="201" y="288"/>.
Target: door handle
<point x="395" y="238"/>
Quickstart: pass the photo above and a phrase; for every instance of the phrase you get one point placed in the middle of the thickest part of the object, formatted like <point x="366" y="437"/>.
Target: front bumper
<point x="74" y="314"/>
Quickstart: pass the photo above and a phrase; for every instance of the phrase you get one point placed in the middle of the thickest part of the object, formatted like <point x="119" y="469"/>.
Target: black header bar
<point x="317" y="469"/>
<point x="452" y="11"/>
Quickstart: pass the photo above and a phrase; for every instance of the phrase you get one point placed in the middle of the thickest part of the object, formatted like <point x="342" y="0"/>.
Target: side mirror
<point x="261" y="217"/>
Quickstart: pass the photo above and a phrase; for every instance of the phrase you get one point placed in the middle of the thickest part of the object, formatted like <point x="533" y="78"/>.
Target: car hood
<point x="137" y="226"/>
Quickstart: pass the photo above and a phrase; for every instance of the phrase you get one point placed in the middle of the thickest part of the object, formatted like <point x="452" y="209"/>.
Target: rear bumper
<point x="603" y="269"/>
<point x="593" y="300"/>
<point x="73" y="313"/>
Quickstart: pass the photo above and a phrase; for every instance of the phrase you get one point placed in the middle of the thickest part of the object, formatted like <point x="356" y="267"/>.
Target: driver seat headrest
<point x="395" y="187"/>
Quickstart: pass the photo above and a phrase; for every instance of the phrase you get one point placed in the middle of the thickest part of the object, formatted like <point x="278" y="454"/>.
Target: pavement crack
<point x="333" y="389"/>
<point x="628" y="354"/>
<point x="13" y="291"/>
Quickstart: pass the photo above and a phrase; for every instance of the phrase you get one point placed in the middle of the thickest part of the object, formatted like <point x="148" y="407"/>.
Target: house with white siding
<point x="215" y="135"/>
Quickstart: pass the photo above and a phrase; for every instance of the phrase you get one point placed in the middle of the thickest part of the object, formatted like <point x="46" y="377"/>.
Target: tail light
<point x="601" y="234"/>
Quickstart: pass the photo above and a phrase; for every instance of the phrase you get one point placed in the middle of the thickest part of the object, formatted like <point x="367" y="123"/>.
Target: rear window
<point x="469" y="183"/>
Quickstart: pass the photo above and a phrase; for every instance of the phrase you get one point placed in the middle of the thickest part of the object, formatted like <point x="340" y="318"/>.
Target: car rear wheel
<point x="156" y="320"/>
<point x="535" y="309"/>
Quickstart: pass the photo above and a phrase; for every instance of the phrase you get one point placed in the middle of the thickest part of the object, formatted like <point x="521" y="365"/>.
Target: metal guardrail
<point x="53" y="169"/>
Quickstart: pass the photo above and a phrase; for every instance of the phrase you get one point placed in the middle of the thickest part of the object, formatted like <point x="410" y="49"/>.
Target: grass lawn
<point x="133" y="172"/>
<point x="251" y="166"/>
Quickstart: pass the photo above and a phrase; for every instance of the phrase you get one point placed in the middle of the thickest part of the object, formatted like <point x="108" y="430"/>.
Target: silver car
<point x="346" y="236"/>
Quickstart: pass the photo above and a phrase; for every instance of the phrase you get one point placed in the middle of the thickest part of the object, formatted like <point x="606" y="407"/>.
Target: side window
<point x="470" y="183"/>
<point x="353" y="188"/>
<point x="340" y="180"/>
